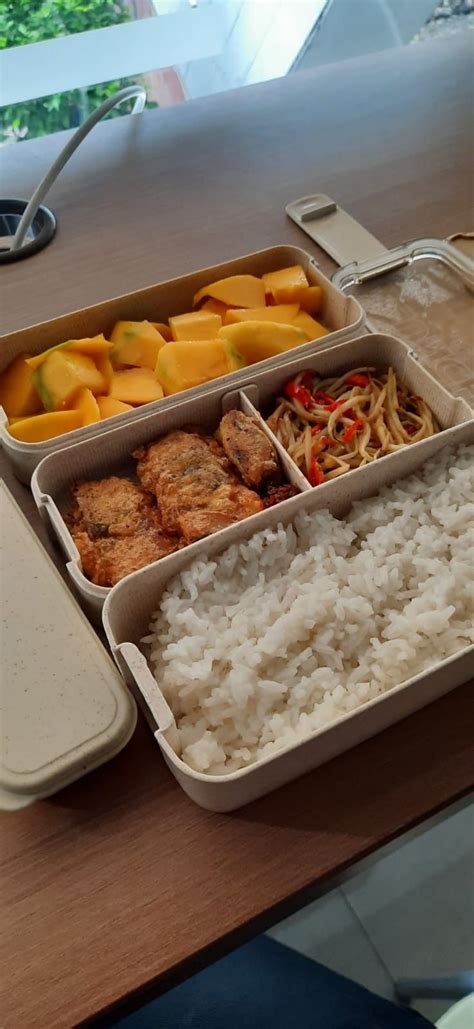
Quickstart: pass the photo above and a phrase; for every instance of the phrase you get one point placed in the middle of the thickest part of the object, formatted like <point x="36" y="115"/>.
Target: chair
<point x="458" y="987"/>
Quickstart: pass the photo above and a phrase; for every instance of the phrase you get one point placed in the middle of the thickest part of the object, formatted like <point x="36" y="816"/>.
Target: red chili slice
<point x="296" y="392"/>
<point x="358" y="379"/>
<point x="325" y="441"/>
<point x="322" y="398"/>
<point x="315" y="474"/>
<point x="352" y="429"/>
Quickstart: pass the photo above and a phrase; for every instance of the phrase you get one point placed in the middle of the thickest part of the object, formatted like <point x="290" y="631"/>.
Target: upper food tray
<point x="342" y="314"/>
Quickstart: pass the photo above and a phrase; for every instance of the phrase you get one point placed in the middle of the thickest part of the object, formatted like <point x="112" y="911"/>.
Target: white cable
<point x="45" y="185"/>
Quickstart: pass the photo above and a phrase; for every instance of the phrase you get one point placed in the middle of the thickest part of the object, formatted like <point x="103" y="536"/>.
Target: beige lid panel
<point x="64" y="708"/>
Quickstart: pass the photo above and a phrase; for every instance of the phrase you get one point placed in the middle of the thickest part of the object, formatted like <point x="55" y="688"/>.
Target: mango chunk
<point x="284" y="313"/>
<point x="87" y="406"/>
<point x="90" y="346"/>
<point x="286" y="285"/>
<point x="105" y="367"/>
<point x="256" y="341"/>
<point x="163" y="329"/>
<point x="136" y="385"/>
<point x="195" y="325"/>
<point x="236" y="290"/>
<point x="109" y="407"/>
<point x="62" y="375"/>
<point x="45" y="426"/>
<point x="215" y="307"/>
<point x="189" y="363"/>
<point x="135" y="343"/>
<point x="309" y="325"/>
<point x="311" y="299"/>
<point x="18" y="395"/>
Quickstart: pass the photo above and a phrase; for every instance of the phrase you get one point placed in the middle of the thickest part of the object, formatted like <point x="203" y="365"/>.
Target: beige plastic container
<point x="157" y="303"/>
<point x="52" y="480"/>
<point x="127" y="614"/>
<point x="65" y="709"/>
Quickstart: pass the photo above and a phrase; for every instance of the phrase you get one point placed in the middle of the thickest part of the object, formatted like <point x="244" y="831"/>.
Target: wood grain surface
<point x="119" y="884"/>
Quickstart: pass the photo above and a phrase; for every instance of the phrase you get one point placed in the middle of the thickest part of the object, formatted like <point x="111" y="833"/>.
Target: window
<point x="60" y="58"/>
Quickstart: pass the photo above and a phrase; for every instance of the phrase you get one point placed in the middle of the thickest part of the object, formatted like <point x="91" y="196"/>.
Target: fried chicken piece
<point x="116" y="527"/>
<point x="229" y="503"/>
<point x="277" y="494"/>
<point x="111" y="507"/>
<point x="196" y="489"/>
<point x="181" y="454"/>
<point x="106" y="561"/>
<point x="249" y="450"/>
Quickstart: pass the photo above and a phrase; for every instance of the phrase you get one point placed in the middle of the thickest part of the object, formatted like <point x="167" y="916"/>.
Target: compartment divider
<point x="291" y="470"/>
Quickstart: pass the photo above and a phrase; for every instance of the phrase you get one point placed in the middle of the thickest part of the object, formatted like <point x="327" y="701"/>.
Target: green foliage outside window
<point x="31" y="21"/>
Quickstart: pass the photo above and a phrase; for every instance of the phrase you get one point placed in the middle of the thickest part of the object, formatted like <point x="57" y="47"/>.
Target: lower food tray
<point x="127" y="614"/>
<point x="93" y="459"/>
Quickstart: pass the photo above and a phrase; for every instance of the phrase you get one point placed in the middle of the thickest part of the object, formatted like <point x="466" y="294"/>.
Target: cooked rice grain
<point x="283" y="634"/>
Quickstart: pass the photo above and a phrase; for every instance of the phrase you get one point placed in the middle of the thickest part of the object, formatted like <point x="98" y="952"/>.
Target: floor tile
<point x="410" y="914"/>
<point x="417" y="904"/>
<point x="327" y="931"/>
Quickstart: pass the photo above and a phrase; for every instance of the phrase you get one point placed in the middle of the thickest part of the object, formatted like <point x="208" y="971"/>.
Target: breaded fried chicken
<point x="106" y="561"/>
<point x="196" y="490"/>
<point x="111" y="507"/>
<point x="116" y="527"/>
<point x="249" y="450"/>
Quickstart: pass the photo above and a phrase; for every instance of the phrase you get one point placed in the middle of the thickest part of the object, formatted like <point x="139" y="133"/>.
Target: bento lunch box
<point x="53" y="478"/>
<point x="127" y="615"/>
<point x="157" y="303"/>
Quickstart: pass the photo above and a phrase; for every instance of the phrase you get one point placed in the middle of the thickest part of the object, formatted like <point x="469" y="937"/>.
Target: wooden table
<point x="119" y="884"/>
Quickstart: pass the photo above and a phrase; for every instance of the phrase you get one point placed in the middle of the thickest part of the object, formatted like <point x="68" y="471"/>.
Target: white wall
<point x="262" y="41"/>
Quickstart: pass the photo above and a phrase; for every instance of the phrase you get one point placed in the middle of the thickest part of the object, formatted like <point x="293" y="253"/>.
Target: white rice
<point x="285" y="633"/>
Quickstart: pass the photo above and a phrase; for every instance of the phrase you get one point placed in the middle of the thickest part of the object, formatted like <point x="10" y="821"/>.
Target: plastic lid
<point x="64" y="707"/>
<point x="421" y="292"/>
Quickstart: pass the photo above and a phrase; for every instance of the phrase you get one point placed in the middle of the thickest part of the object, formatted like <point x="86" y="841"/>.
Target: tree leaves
<point x="32" y="21"/>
